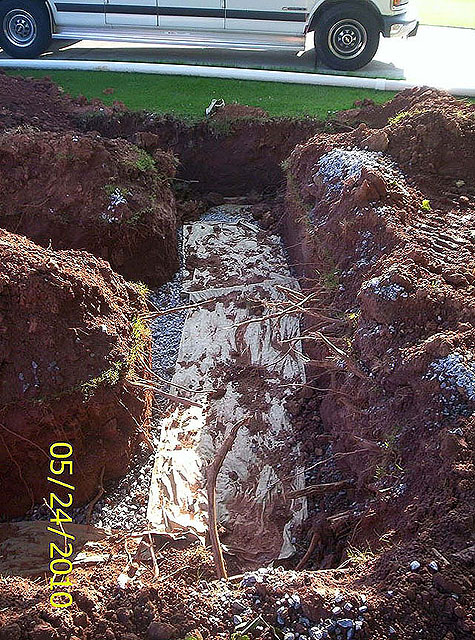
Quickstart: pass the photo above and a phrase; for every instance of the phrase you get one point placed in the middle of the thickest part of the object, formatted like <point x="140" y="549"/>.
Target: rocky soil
<point x="385" y="218"/>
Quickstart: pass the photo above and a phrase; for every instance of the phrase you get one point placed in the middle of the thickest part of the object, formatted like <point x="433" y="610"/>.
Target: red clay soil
<point x="70" y="338"/>
<point x="234" y="110"/>
<point x="239" y="150"/>
<point x="392" y="253"/>
<point x="39" y="103"/>
<point x="379" y="222"/>
<point x="233" y="156"/>
<point x="75" y="191"/>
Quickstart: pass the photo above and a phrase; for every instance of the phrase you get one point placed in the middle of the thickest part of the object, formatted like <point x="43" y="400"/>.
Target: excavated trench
<point x="237" y="272"/>
<point x="323" y="302"/>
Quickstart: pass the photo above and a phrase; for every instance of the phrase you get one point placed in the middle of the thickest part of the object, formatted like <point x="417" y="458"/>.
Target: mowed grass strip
<point x="447" y="13"/>
<point x="188" y="97"/>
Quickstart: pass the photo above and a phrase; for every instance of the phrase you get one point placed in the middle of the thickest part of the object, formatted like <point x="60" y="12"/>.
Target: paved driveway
<point x="437" y="55"/>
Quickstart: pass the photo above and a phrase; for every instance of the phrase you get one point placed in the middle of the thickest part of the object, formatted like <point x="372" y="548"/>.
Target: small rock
<point x="345" y="623"/>
<point x="414" y="566"/>
<point x="248" y="581"/>
<point x="295" y="601"/>
<point x="160" y="631"/>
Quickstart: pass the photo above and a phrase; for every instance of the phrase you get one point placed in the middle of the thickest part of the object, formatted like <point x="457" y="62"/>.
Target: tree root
<point x="211" y="476"/>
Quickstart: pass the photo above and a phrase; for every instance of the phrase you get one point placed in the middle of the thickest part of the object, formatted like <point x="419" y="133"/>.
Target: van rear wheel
<point x="25" y="29"/>
<point x="346" y="37"/>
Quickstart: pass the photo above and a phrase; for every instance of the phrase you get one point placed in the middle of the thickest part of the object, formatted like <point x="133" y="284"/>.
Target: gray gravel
<point x="125" y="502"/>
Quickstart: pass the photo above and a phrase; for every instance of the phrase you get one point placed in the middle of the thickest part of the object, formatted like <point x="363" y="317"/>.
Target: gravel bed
<point x="124" y="504"/>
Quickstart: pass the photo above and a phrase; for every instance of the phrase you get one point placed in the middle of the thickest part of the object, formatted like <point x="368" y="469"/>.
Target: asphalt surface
<point x="443" y="56"/>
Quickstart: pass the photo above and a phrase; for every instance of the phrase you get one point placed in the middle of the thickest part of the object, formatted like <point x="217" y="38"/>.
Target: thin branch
<point x="147" y="384"/>
<point x="308" y="553"/>
<point x="212" y="472"/>
<point x="14" y="433"/>
<point x="156" y="570"/>
<point x="99" y="495"/>
<point x="320" y="489"/>
<point x="163" y="312"/>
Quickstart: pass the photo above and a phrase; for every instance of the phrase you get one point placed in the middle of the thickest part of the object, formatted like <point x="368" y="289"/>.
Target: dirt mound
<point x="70" y="337"/>
<point x="429" y="131"/>
<point x="396" y="273"/>
<point x="40" y="103"/>
<point x="69" y="190"/>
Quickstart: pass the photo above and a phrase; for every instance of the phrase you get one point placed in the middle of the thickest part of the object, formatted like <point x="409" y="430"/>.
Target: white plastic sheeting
<point x="234" y="272"/>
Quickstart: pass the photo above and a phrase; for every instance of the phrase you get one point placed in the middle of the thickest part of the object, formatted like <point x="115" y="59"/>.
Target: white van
<point x="346" y="32"/>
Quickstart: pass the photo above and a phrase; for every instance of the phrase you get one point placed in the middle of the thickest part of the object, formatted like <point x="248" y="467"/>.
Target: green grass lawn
<point x="448" y="13"/>
<point x="189" y="97"/>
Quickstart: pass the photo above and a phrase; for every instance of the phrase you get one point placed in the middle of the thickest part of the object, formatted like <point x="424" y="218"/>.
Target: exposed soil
<point x="378" y="222"/>
<point x="394" y="258"/>
<point x="70" y="190"/>
<point x="230" y="153"/>
<point x="41" y="104"/>
<point x="70" y="338"/>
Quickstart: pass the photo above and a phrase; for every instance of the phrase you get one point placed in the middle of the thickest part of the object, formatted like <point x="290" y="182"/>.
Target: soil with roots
<point x="70" y="190"/>
<point x="70" y="338"/>
<point x="377" y="210"/>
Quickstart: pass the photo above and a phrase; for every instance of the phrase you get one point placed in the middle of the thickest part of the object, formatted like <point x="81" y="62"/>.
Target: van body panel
<point x="70" y="13"/>
<point x="136" y="13"/>
<point x="267" y="24"/>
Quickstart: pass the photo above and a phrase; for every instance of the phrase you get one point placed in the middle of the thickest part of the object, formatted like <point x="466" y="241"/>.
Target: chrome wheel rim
<point x="347" y="39"/>
<point x="19" y="27"/>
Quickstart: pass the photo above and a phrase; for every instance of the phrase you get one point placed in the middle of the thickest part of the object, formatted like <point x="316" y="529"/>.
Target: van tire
<point x="25" y="28"/>
<point x="346" y="37"/>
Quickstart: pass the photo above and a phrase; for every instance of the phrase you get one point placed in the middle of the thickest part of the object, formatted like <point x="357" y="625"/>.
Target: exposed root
<point x="211" y="477"/>
<point x="151" y="386"/>
<point x="37" y="446"/>
<point x="308" y="554"/>
<point x="318" y="490"/>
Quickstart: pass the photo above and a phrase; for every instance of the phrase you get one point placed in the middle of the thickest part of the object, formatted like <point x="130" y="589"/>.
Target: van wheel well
<point x="331" y="3"/>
